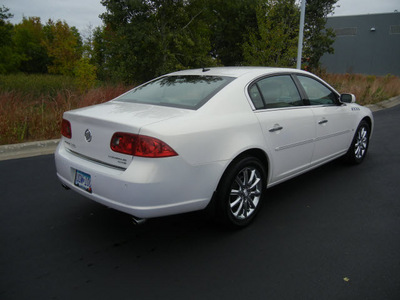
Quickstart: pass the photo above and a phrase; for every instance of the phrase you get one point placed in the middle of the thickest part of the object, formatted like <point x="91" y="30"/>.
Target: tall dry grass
<point x="25" y="116"/>
<point x="368" y="89"/>
<point x="31" y="107"/>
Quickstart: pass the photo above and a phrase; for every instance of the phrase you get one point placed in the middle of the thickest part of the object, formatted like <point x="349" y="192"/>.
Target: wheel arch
<point x="255" y="152"/>
<point x="213" y="208"/>
<point x="369" y="122"/>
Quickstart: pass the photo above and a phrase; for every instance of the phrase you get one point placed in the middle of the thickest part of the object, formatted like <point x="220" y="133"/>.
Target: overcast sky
<point x="82" y="13"/>
<point x="78" y="13"/>
<point x="363" y="7"/>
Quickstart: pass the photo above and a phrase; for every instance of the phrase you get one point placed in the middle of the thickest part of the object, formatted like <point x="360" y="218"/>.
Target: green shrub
<point x="85" y="75"/>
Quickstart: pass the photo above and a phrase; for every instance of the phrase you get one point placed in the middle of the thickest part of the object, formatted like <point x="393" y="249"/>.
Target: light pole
<point x="301" y="34"/>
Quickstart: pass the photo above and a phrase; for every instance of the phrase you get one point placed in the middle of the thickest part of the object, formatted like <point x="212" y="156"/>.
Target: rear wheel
<point x="360" y="143"/>
<point x="240" y="192"/>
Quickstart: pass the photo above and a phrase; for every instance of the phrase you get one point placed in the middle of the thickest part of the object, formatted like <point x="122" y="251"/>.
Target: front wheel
<point x="360" y="143"/>
<point x="240" y="192"/>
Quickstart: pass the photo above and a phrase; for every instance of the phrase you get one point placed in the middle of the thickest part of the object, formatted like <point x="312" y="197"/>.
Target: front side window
<point x="317" y="93"/>
<point x="185" y="91"/>
<point x="275" y="92"/>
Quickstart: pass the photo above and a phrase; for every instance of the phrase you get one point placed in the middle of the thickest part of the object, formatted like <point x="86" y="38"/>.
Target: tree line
<point x="141" y="39"/>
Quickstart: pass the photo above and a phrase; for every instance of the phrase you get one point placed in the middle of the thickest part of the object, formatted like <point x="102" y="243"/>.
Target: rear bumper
<point x="149" y="187"/>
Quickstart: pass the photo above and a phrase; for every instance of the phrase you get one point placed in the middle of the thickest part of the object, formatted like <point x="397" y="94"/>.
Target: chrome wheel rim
<point x="245" y="193"/>
<point x="361" y="143"/>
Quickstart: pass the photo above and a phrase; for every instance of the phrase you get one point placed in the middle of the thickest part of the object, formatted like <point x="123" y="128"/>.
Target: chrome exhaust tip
<point x="65" y="187"/>
<point x="138" y="221"/>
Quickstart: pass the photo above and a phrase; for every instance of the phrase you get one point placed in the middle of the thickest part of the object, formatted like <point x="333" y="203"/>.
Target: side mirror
<point x="347" y="98"/>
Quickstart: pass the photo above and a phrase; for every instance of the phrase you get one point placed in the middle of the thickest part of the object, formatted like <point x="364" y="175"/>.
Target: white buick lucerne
<point x="216" y="137"/>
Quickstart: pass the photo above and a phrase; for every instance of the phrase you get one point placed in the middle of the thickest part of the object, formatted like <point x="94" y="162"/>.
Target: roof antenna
<point x="206" y="69"/>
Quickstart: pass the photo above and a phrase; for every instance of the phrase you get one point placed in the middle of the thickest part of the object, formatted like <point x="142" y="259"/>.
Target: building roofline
<point x="362" y="15"/>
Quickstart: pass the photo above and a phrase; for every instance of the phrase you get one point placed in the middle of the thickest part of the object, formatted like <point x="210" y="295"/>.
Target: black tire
<point x="240" y="192"/>
<point x="359" y="146"/>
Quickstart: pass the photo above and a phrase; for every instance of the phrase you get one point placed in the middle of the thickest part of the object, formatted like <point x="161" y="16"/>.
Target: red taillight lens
<point x="66" y="129"/>
<point x="123" y="143"/>
<point x="152" y="147"/>
<point x="140" y="145"/>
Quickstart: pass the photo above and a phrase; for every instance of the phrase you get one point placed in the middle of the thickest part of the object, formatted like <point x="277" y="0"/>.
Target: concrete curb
<point x="22" y="150"/>
<point x="384" y="104"/>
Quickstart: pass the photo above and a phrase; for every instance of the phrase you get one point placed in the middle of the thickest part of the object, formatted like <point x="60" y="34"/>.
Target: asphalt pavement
<point x="333" y="233"/>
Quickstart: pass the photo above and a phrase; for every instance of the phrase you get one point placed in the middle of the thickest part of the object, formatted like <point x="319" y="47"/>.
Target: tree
<point x="9" y="60"/>
<point x="147" y="38"/>
<point x="64" y="47"/>
<point x="85" y="74"/>
<point x="98" y="54"/>
<point x="317" y="39"/>
<point x="275" y="42"/>
<point x="28" y="40"/>
<point x="231" y="22"/>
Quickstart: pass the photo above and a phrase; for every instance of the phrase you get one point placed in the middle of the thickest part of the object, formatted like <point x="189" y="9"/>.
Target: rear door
<point x="288" y="125"/>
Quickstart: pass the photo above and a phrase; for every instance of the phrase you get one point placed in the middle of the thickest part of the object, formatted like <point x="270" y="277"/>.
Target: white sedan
<point x="214" y="138"/>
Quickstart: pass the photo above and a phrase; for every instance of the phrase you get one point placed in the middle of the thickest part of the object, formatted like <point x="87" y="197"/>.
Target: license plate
<point x="83" y="181"/>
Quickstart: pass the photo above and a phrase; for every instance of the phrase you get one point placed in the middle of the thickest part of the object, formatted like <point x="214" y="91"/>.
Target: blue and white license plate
<point x="83" y="181"/>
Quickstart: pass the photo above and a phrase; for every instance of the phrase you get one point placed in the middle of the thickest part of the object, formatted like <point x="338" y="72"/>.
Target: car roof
<point x="236" y="71"/>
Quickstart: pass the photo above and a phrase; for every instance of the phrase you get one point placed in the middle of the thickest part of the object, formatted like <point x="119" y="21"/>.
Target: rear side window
<point x="275" y="92"/>
<point x="256" y="97"/>
<point x="178" y="91"/>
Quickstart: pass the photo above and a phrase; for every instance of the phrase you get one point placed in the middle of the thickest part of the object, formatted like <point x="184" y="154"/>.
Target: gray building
<point x="366" y="44"/>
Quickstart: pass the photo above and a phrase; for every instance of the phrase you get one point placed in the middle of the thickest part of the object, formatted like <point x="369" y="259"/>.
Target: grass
<point x="35" y="85"/>
<point x="31" y="106"/>
<point x="368" y="89"/>
<point x="33" y="111"/>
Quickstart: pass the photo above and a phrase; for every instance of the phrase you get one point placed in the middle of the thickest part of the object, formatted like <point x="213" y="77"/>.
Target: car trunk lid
<point x="92" y="128"/>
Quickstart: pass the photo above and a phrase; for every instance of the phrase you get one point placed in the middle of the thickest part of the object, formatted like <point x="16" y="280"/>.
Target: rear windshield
<point x="177" y="91"/>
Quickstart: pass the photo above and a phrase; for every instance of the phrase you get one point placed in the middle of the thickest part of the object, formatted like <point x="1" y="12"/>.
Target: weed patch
<point x="35" y="114"/>
<point x="368" y="89"/>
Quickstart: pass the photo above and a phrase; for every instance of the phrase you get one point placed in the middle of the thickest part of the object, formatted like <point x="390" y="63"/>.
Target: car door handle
<point x="324" y="121"/>
<point x="276" y="127"/>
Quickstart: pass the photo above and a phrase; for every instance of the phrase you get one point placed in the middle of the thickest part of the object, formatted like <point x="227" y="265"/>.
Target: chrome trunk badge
<point x="88" y="136"/>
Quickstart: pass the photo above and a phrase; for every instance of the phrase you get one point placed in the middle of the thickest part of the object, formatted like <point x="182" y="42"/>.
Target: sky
<point x="364" y="7"/>
<point x="85" y="13"/>
<point x="78" y="13"/>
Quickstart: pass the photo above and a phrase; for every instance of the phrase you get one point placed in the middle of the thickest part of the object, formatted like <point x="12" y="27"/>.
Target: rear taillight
<point x="140" y="145"/>
<point x="66" y="129"/>
<point x="123" y="143"/>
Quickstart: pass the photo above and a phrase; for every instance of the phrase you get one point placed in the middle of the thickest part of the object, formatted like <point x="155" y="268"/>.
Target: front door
<point x="333" y="121"/>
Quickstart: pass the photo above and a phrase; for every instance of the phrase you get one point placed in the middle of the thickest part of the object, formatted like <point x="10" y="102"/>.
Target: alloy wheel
<point x="245" y="193"/>
<point x="361" y="143"/>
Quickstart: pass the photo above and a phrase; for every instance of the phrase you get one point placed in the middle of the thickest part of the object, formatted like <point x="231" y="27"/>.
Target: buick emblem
<point x="88" y="136"/>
